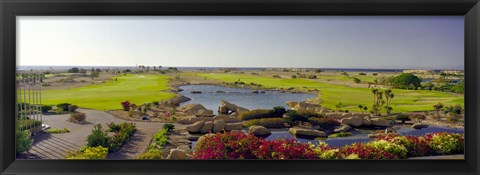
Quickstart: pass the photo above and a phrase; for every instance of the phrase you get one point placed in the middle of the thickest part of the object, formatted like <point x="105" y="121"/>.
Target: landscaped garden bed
<point x="238" y="145"/>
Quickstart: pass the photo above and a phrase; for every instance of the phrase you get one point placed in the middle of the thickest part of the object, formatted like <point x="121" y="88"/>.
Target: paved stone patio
<point x="55" y="146"/>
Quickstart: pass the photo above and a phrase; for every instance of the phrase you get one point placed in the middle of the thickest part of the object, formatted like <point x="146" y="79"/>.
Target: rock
<point x="255" y="92"/>
<point x="233" y="126"/>
<point x="419" y="126"/>
<point x="226" y="107"/>
<point x="361" y="115"/>
<point x="196" y="92"/>
<point x="380" y="122"/>
<point x="185" y="148"/>
<point x="200" y="139"/>
<point x="218" y="125"/>
<point x="291" y="104"/>
<point x="220" y="92"/>
<point x="193" y="119"/>
<point x="207" y="127"/>
<point x="193" y="137"/>
<point x="226" y="118"/>
<point x="195" y="109"/>
<point x="180" y="99"/>
<point x="355" y="121"/>
<point x="342" y="128"/>
<point x="223" y="110"/>
<point x="333" y="116"/>
<point x="177" y="154"/>
<point x="257" y="130"/>
<point x="196" y="127"/>
<point x="307" y="106"/>
<point x="177" y="90"/>
<point x="306" y="132"/>
<point x="346" y="115"/>
<point x="234" y="114"/>
<point x="367" y="121"/>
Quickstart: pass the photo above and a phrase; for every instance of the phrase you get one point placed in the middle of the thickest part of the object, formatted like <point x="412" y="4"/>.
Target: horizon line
<point x="463" y="68"/>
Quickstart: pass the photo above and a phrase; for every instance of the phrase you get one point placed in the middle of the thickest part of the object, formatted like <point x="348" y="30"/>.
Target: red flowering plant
<point x="126" y="105"/>
<point x="416" y="146"/>
<point x="285" y="149"/>
<point x="228" y="145"/>
<point x="238" y="145"/>
<point x="365" y="151"/>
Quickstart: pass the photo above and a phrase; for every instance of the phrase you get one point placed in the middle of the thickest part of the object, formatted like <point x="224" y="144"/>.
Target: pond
<point x="211" y="96"/>
<point x="359" y="136"/>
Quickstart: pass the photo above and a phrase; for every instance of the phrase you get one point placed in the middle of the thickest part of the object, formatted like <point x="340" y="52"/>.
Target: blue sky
<point x="392" y="42"/>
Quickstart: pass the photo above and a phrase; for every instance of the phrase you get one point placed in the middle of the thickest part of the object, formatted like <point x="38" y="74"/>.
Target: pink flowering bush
<point x="228" y="145"/>
<point x="365" y="151"/>
<point x="238" y="145"/>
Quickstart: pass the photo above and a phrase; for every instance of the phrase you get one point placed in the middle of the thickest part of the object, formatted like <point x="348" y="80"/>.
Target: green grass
<point x="351" y="97"/>
<point x="137" y="89"/>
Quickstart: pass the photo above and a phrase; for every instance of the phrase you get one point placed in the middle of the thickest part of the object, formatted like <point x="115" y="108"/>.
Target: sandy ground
<point x="54" y="146"/>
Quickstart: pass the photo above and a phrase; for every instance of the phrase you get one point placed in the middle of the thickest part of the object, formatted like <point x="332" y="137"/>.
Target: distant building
<point x="418" y="71"/>
<point x="453" y="72"/>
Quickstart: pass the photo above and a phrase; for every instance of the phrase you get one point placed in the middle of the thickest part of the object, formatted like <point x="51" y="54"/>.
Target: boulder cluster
<point x="228" y="108"/>
<point x="357" y="121"/>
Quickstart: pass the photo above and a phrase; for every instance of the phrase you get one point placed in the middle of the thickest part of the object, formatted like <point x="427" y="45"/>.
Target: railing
<point x="29" y="102"/>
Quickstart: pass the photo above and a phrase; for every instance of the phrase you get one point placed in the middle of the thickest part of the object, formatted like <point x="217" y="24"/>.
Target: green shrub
<point x="23" y="140"/>
<point x="418" y="117"/>
<point x="402" y="117"/>
<point x="309" y="114"/>
<point x="122" y="136"/>
<point x="151" y="154"/>
<point x="27" y="124"/>
<point x="326" y="124"/>
<point x="340" y="134"/>
<point x="98" y="137"/>
<point x="445" y="143"/>
<point x="169" y="126"/>
<point x="112" y="127"/>
<point x="453" y="118"/>
<point x="23" y="117"/>
<point x="46" y="108"/>
<point x="63" y="106"/>
<point x="389" y="147"/>
<point x="267" y="122"/>
<point x="72" y="108"/>
<point x="356" y="80"/>
<point x="57" y="131"/>
<point x="159" y="139"/>
<point x="294" y="116"/>
<point x="257" y="114"/>
<point x="278" y="110"/>
<point x="77" y="117"/>
<point x="98" y="152"/>
<point x="23" y="106"/>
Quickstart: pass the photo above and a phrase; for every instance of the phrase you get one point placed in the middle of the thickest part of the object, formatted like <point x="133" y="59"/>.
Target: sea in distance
<point x="59" y="68"/>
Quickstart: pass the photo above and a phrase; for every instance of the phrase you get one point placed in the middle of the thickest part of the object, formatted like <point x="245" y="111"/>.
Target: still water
<point x="211" y="96"/>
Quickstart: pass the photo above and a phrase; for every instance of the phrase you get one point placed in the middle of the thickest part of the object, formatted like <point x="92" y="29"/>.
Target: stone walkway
<point x="55" y="146"/>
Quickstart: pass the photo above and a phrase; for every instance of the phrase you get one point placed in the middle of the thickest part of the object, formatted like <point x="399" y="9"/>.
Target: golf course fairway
<point x="135" y="88"/>
<point x="350" y="97"/>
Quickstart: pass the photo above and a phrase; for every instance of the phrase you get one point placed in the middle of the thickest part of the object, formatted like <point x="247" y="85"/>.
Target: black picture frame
<point x="9" y="9"/>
